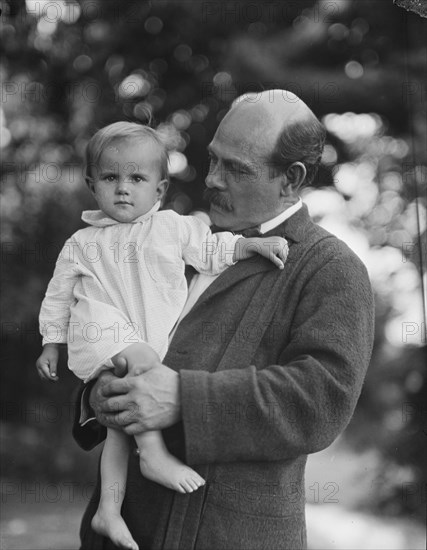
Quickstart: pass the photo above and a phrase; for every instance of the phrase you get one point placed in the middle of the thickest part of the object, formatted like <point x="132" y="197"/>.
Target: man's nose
<point x="215" y="178"/>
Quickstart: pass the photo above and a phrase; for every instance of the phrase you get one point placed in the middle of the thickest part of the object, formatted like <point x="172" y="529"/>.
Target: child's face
<point x="127" y="180"/>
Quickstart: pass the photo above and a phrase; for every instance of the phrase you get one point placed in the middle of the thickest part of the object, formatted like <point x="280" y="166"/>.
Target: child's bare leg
<point x="155" y="461"/>
<point x="108" y="520"/>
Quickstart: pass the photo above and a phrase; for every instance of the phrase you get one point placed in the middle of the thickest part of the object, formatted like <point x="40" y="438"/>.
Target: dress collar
<point x="98" y="218"/>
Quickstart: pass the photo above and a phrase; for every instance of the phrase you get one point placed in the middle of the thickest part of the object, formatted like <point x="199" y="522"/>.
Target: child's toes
<point x="182" y="488"/>
<point x="131" y="544"/>
<point x="193" y="484"/>
<point x="198" y="479"/>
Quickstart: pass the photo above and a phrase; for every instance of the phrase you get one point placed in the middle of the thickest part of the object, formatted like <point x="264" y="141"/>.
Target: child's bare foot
<point x="167" y="470"/>
<point x="111" y="525"/>
<point x="155" y="461"/>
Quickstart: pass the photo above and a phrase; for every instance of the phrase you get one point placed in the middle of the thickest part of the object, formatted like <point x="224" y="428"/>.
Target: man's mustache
<point x="218" y="199"/>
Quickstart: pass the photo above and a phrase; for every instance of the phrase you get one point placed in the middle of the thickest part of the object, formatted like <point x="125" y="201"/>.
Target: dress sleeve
<point x="207" y="252"/>
<point x="54" y="315"/>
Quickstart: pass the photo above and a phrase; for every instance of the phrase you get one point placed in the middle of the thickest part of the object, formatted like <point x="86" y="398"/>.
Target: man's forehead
<point x="230" y="145"/>
<point x="255" y="116"/>
<point x="245" y="134"/>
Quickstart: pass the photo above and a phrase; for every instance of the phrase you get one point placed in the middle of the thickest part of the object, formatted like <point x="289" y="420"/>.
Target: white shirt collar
<point x="278" y="220"/>
<point x="99" y="219"/>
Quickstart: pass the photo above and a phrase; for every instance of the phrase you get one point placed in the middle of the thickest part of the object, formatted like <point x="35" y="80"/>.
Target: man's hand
<point x="148" y="401"/>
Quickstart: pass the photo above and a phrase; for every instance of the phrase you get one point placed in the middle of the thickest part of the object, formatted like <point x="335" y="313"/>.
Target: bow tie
<point x="250" y="232"/>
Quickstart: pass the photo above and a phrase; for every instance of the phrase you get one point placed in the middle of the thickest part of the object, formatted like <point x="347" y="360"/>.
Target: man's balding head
<point x="277" y="105"/>
<point x="292" y="132"/>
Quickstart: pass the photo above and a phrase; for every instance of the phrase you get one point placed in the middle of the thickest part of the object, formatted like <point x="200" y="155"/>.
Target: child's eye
<point x="109" y="178"/>
<point x="138" y="179"/>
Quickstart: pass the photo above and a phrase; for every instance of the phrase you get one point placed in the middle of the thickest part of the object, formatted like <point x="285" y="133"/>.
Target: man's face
<point x="243" y="190"/>
<point x="127" y="182"/>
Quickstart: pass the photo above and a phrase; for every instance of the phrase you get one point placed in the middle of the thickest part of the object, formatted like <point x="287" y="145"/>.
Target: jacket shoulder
<point x="330" y="247"/>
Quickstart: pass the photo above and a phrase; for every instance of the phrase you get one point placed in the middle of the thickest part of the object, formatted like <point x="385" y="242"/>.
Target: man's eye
<point x="240" y="168"/>
<point x="233" y="168"/>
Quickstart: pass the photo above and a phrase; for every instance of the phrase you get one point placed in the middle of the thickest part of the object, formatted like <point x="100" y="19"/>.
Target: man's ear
<point x="294" y="177"/>
<point x="162" y="187"/>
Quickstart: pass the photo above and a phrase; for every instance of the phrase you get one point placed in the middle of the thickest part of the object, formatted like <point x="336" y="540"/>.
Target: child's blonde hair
<point x="119" y="130"/>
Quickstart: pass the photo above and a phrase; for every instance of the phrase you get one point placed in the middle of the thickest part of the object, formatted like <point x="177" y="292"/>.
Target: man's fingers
<point x="119" y="419"/>
<point x="105" y="377"/>
<point x="121" y="366"/>
<point x="114" y="404"/>
<point x="106" y="381"/>
<point x="118" y="386"/>
<point x="132" y="429"/>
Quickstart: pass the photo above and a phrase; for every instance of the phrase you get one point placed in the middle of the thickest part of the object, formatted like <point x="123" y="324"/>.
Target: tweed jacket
<point x="271" y="366"/>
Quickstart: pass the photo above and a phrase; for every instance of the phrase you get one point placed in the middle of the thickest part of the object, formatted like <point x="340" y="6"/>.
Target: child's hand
<point x="47" y="362"/>
<point x="273" y="248"/>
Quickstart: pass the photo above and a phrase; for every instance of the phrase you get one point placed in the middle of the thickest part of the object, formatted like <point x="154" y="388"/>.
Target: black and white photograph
<point x="213" y="274"/>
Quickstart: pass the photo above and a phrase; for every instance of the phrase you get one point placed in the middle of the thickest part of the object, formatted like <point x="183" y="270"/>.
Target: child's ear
<point x="90" y="184"/>
<point x="162" y="187"/>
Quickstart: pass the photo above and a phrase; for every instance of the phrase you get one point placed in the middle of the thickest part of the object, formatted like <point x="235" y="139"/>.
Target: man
<point x="265" y="366"/>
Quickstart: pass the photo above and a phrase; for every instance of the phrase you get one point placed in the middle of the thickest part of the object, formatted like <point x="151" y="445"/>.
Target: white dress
<point x="116" y="284"/>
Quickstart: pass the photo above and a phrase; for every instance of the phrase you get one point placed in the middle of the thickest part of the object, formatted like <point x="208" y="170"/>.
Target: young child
<point x="119" y="288"/>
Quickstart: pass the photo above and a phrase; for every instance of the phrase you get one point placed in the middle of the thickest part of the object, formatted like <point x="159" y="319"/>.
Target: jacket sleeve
<point x="302" y="403"/>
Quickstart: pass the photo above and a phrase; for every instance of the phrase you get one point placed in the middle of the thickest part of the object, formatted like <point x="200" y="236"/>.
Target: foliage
<point x="357" y="64"/>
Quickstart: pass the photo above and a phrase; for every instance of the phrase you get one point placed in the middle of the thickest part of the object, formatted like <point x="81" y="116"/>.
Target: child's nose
<point x="122" y="186"/>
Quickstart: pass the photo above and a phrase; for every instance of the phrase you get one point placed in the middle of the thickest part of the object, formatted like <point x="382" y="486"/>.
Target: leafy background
<point x="69" y="67"/>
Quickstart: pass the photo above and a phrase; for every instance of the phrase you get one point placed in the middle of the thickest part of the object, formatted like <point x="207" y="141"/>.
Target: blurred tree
<point x="71" y="67"/>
